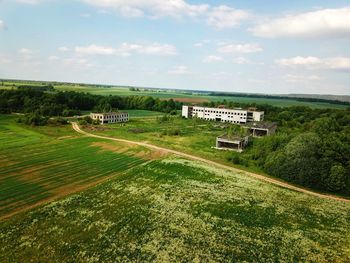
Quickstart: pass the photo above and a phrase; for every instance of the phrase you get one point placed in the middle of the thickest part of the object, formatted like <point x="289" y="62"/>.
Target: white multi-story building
<point x="110" y="117"/>
<point x="238" y="116"/>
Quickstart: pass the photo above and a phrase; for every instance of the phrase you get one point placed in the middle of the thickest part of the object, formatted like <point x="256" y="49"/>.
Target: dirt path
<point x="226" y="167"/>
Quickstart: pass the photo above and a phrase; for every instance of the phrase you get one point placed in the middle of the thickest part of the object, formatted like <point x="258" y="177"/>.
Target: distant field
<point x="184" y="96"/>
<point x="38" y="164"/>
<point x="174" y="210"/>
<point x="197" y="98"/>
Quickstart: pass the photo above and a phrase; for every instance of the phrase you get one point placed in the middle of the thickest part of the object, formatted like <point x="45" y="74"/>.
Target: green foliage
<point x="71" y="103"/>
<point x="164" y="118"/>
<point x="57" y="121"/>
<point x="34" y="119"/>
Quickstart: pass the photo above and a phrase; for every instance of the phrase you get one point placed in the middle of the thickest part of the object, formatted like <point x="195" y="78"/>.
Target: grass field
<point x="174" y="210"/>
<point x="42" y="163"/>
<point x="143" y="113"/>
<point x="184" y="96"/>
<point x="121" y="91"/>
<point x="196" y="136"/>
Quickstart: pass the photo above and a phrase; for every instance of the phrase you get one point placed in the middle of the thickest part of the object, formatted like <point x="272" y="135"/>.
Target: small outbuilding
<point x="260" y="129"/>
<point x="110" y="117"/>
<point x="232" y="143"/>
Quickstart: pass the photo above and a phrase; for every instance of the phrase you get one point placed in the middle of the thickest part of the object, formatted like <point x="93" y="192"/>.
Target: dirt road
<point x="226" y="167"/>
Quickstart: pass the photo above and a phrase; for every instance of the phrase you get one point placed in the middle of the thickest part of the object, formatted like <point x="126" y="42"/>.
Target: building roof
<point x="231" y="138"/>
<point x="261" y="125"/>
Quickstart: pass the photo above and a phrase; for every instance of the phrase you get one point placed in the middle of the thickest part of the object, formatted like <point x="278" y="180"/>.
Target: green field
<point x="143" y="113"/>
<point x="196" y="136"/>
<point x="174" y="210"/>
<point x="185" y="96"/>
<point x="121" y="91"/>
<point x="42" y="163"/>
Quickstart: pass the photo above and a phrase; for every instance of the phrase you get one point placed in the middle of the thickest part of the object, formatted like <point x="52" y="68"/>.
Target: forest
<point x="58" y="103"/>
<point x="311" y="147"/>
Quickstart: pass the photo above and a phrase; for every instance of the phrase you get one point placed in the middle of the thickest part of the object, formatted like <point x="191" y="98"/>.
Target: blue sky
<point x="240" y="46"/>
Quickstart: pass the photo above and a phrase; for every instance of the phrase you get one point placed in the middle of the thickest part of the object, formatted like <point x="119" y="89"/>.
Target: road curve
<point x="226" y="167"/>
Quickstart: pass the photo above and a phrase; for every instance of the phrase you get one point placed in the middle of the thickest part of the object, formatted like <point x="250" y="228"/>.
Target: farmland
<point x="189" y="97"/>
<point x="178" y="95"/>
<point x="178" y="210"/>
<point x="40" y="164"/>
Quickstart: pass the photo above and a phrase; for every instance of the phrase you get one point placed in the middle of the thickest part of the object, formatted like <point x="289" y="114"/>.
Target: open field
<point x="175" y="210"/>
<point x="185" y="96"/>
<point x="40" y="164"/>
<point x="188" y="97"/>
<point x="195" y="136"/>
<point x="143" y="113"/>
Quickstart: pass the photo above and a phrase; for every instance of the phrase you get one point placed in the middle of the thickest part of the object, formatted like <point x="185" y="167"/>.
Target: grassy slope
<point x="178" y="210"/>
<point x="44" y="162"/>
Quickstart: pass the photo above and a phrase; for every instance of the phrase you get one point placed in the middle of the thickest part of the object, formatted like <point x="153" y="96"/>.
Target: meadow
<point x="39" y="164"/>
<point x="175" y="210"/>
<point x="182" y="96"/>
<point x="194" y="97"/>
<point x="193" y="136"/>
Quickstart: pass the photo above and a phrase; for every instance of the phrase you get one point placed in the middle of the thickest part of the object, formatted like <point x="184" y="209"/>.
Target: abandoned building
<point x="238" y="116"/>
<point x="233" y="143"/>
<point x="110" y="117"/>
<point x="260" y="129"/>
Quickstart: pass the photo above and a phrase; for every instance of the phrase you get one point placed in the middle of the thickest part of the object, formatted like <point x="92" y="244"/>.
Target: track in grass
<point x="36" y="167"/>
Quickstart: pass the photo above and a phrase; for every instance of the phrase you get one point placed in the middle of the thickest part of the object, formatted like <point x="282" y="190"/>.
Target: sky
<point x="252" y="46"/>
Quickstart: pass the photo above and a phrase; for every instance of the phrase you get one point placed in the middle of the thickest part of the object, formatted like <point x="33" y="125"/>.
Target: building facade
<point x="233" y="143"/>
<point x="238" y="116"/>
<point x="260" y="129"/>
<point x="110" y="117"/>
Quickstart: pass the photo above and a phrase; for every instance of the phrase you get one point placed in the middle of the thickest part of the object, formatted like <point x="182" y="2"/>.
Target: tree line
<point x="70" y="103"/>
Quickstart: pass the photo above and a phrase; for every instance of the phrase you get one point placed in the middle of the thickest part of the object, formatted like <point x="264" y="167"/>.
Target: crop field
<point x="184" y="96"/>
<point x="39" y="164"/>
<point x="174" y="210"/>
<point x="195" y="98"/>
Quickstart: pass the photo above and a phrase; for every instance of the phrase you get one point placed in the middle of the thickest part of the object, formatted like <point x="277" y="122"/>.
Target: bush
<point x="57" y="121"/>
<point x="35" y="119"/>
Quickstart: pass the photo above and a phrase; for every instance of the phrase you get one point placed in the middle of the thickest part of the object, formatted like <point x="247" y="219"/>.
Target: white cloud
<point x="199" y="44"/>
<point x="85" y="15"/>
<point x="63" y="49"/>
<point x="212" y="58"/>
<point x="335" y="63"/>
<point x="240" y="48"/>
<point x="241" y="61"/>
<point x="153" y="8"/>
<point x="53" y="58"/>
<point x="78" y="62"/>
<point x="220" y="17"/>
<point x="2" y="25"/>
<point x="30" y="2"/>
<point x="226" y="17"/>
<point x="25" y="53"/>
<point x="179" y="70"/>
<point x="95" y="50"/>
<point x="301" y="78"/>
<point x="127" y="49"/>
<point x="321" y="23"/>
